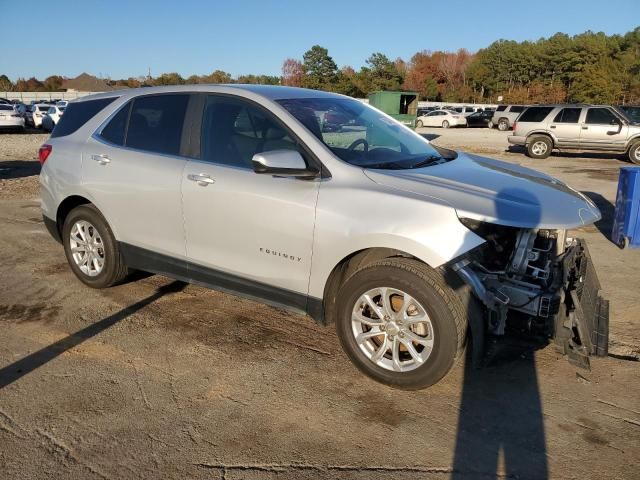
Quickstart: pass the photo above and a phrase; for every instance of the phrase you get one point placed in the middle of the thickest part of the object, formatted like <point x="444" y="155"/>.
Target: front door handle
<point x="201" y="179"/>
<point x="101" y="159"/>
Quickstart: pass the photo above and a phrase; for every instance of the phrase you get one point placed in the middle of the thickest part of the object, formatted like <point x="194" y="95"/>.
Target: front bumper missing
<point x="582" y="323"/>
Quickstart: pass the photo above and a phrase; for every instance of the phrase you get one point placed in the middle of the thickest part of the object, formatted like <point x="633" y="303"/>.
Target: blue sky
<point x="120" y="38"/>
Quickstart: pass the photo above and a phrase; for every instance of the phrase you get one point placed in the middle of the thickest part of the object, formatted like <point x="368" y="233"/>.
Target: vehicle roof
<point x="271" y="92"/>
<point x="568" y="105"/>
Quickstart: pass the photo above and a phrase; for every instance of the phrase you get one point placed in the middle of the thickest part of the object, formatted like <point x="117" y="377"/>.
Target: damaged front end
<point x="538" y="282"/>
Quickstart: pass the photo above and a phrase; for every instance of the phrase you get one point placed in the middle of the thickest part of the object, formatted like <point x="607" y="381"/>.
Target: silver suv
<point x="596" y="128"/>
<point x="505" y="116"/>
<point x="404" y="246"/>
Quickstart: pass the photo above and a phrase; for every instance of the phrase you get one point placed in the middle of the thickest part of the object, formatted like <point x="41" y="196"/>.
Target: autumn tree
<point x="5" y="84"/>
<point x="292" y="73"/>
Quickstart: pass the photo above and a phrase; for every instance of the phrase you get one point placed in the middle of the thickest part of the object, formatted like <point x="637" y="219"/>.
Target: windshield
<point x="362" y="135"/>
<point x="624" y="114"/>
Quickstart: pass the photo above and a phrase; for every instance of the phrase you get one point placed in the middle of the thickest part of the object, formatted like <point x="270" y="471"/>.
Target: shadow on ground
<point x="607" y="209"/>
<point x="28" y="364"/>
<point x="429" y="136"/>
<point x="19" y="169"/>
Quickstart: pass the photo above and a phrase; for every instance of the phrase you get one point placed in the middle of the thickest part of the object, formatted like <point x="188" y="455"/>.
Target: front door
<point x="247" y="232"/>
<point x="603" y="129"/>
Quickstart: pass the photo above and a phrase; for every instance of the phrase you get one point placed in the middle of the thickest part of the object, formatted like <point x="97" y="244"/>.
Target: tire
<point x="634" y="153"/>
<point x="419" y="124"/>
<point x="503" y="125"/>
<point x="445" y="124"/>
<point x="114" y="268"/>
<point x="444" y="310"/>
<point x="539" y="147"/>
<point x="490" y="124"/>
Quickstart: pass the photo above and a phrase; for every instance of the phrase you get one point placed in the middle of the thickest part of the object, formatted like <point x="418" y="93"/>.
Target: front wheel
<point x="400" y="323"/>
<point x="419" y="124"/>
<point x="634" y="153"/>
<point x="445" y="124"/>
<point x="490" y="124"/>
<point x="91" y="249"/>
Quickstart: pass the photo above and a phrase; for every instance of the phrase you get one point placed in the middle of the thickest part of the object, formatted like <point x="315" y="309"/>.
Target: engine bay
<point x="533" y="281"/>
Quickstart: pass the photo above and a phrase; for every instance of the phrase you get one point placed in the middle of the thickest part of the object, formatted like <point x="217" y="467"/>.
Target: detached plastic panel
<point x="626" y="224"/>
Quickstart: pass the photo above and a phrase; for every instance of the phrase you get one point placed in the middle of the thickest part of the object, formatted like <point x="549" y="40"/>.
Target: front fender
<point x="426" y="229"/>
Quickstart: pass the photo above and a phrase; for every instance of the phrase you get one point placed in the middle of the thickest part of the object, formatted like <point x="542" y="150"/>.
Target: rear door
<point x="603" y="129"/>
<point x="133" y="167"/>
<point x="566" y="127"/>
<point x="247" y="232"/>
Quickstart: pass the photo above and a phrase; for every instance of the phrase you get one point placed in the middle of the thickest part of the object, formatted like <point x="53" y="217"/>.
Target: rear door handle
<point x="101" y="159"/>
<point x="201" y="179"/>
<point x="585" y="128"/>
<point x="552" y="126"/>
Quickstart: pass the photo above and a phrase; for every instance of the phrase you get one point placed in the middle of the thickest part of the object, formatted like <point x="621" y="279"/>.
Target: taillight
<point x="44" y="152"/>
<point x="514" y="126"/>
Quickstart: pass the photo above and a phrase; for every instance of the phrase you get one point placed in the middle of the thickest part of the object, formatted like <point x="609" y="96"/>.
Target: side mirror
<point x="284" y="163"/>
<point x="615" y="121"/>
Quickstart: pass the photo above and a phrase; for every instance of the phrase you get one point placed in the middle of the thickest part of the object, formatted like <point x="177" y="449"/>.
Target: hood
<point x="496" y="192"/>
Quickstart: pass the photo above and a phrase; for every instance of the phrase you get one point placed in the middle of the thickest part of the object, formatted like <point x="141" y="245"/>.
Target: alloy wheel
<point x="392" y="329"/>
<point x="87" y="248"/>
<point x="539" y="148"/>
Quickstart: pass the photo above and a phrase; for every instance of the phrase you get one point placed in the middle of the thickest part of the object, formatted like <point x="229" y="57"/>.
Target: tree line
<point x="589" y="67"/>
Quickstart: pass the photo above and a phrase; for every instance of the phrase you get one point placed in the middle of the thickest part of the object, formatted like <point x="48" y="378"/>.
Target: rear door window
<point x="535" y="114"/>
<point x="156" y="122"/>
<point x="568" y="115"/>
<point x="600" y="116"/>
<point x="77" y="114"/>
<point x="114" y="131"/>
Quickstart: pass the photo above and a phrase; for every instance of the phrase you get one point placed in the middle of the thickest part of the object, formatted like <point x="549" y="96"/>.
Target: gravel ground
<point x="19" y="163"/>
<point x="158" y="379"/>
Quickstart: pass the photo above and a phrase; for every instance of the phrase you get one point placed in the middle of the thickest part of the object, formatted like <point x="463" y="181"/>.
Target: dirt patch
<point x="597" y="173"/>
<point x="38" y="312"/>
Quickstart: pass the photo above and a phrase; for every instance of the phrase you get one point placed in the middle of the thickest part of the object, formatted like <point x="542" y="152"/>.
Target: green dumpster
<point x="403" y="106"/>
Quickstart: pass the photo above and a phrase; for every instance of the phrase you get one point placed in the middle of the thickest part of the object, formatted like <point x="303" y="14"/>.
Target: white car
<point x="10" y="118"/>
<point x="441" y="118"/>
<point x="62" y="103"/>
<point x="36" y="114"/>
<point x="239" y="188"/>
<point x="52" y="117"/>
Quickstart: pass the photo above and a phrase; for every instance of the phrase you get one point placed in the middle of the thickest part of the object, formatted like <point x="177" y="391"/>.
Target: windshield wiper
<point x="430" y="160"/>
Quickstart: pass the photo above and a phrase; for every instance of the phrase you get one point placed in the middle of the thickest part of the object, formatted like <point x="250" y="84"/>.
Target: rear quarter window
<point x="535" y="114"/>
<point x="77" y="114"/>
<point x="517" y="108"/>
<point x="501" y="108"/>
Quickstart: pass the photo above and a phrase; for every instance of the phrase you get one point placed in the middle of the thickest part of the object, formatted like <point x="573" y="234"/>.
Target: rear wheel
<point x="634" y="153"/>
<point x="445" y="124"/>
<point x="400" y="323"/>
<point x="419" y="124"/>
<point x="503" y="125"/>
<point x="539" y="147"/>
<point x="91" y="249"/>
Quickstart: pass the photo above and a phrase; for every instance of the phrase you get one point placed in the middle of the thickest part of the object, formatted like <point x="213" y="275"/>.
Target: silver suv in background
<point x="505" y="116"/>
<point x="404" y="246"/>
<point x="596" y="128"/>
